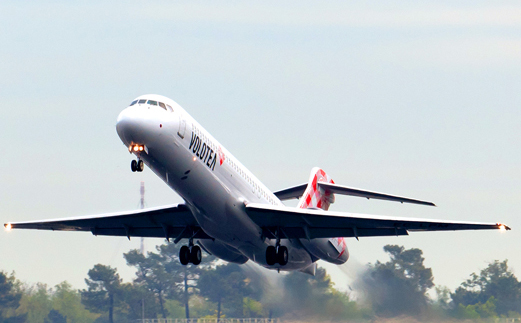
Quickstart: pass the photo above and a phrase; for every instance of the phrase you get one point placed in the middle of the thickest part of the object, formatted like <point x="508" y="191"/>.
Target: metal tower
<point x="142" y="206"/>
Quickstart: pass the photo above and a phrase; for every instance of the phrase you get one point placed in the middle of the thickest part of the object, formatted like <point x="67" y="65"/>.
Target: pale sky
<point x="414" y="98"/>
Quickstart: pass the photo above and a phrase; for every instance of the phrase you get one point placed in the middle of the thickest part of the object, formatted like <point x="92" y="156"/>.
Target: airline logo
<point x="222" y="157"/>
<point x="204" y="152"/>
<point x="315" y="198"/>
<point x="339" y="244"/>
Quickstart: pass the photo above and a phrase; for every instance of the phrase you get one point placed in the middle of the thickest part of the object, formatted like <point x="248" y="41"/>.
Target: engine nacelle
<point x="332" y="250"/>
<point x="223" y="251"/>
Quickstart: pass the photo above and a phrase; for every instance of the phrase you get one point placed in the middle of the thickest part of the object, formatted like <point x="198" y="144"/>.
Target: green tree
<point x="151" y="272"/>
<point x="55" y="317"/>
<point x="163" y="275"/>
<point x="134" y="296"/>
<point x="184" y="278"/>
<point x="175" y="308"/>
<point x="36" y="303"/>
<point x="103" y="286"/>
<point x="252" y="308"/>
<point x="68" y="302"/>
<point x="477" y="311"/>
<point x="404" y="275"/>
<point x="10" y="296"/>
<point x="339" y="306"/>
<point x="440" y="307"/>
<point x="306" y="295"/>
<point x="225" y="284"/>
<point x="495" y="281"/>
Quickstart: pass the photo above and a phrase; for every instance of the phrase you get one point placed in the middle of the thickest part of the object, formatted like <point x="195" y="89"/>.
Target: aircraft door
<point x="182" y="126"/>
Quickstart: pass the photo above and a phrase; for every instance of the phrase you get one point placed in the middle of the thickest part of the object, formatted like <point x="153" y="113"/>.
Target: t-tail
<point x="332" y="250"/>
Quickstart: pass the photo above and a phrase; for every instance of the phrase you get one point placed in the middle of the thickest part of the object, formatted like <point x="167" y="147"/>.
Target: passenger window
<point x="162" y="105"/>
<point x="170" y="108"/>
<point x="152" y="102"/>
<point x="133" y="102"/>
<point x="142" y="101"/>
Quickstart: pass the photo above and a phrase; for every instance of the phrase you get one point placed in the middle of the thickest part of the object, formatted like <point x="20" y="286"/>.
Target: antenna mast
<point x="142" y="206"/>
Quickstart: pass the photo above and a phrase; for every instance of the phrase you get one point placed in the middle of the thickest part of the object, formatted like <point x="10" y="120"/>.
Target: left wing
<point x="294" y="223"/>
<point x="172" y="221"/>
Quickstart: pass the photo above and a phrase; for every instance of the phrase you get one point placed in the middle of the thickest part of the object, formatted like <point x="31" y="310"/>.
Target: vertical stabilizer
<point x="332" y="250"/>
<point x="314" y="197"/>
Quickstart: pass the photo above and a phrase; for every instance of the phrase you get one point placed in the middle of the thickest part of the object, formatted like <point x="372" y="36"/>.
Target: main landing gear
<point x="277" y="254"/>
<point x="190" y="254"/>
<point x="137" y="165"/>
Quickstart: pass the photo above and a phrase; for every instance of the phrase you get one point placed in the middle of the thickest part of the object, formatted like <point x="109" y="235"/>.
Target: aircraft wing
<point x="298" y="190"/>
<point x="172" y="221"/>
<point x="294" y="223"/>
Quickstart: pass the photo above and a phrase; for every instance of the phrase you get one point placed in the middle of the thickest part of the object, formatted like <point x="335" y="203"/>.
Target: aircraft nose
<point x="144" y="125"/>
<point x="130" y="126"/>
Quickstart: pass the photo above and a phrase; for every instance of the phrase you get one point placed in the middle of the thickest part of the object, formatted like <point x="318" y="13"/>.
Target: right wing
<point x="295" y="223"/>
<point x="172" y="221"/>
<point x="298" y="190"/>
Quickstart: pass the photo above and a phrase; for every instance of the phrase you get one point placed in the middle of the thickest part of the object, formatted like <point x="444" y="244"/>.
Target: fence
<point x="264" y="320"/>
<point x="210" y="320"/>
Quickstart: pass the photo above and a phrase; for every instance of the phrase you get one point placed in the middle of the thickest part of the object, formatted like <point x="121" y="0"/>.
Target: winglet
<point x="503" y="227"/>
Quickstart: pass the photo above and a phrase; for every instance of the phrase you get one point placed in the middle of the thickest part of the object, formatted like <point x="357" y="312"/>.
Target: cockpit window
<point x="162" y="105"/>
<point x="170" y="108"/>
<point x="133" y="102"/>
<point x="142" y="101"/>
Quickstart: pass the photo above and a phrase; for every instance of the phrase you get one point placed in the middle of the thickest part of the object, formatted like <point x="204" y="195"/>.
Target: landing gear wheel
<point x="282" y="255"/>
<point x="184" y="255"/>
<point x="140" y="165"/>
<point x="133" y="165"/>
<point x="271" y="255"/>
<point x="196" y="255"/>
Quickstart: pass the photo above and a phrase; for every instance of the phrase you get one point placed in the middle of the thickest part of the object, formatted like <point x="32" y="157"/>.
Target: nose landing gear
<point x="137" y="165"/>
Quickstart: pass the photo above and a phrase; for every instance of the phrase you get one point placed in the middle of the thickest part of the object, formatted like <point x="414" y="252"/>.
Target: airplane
<point x="227" y="211"/>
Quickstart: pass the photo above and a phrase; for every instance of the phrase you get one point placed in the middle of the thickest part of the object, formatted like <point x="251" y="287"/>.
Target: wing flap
<point x="296" y="223"/>
<point x="168" y="221"/>
<point x="313" y="232"/>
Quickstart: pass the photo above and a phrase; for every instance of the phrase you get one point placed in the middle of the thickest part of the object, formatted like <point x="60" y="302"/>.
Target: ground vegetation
<point x="399" y="289"/>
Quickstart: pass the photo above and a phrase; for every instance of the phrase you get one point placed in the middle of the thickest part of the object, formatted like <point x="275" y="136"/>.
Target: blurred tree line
<point x="163" y="288"/>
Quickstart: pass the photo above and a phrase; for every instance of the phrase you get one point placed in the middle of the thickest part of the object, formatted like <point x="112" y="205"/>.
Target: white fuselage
<point x="213" y="183"/>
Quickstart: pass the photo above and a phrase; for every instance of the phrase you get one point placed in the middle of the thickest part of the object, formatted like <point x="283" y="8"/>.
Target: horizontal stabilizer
<point x="297" y="191"/>
<point x="293" y="192"/>
<point x="344" y="190"/>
